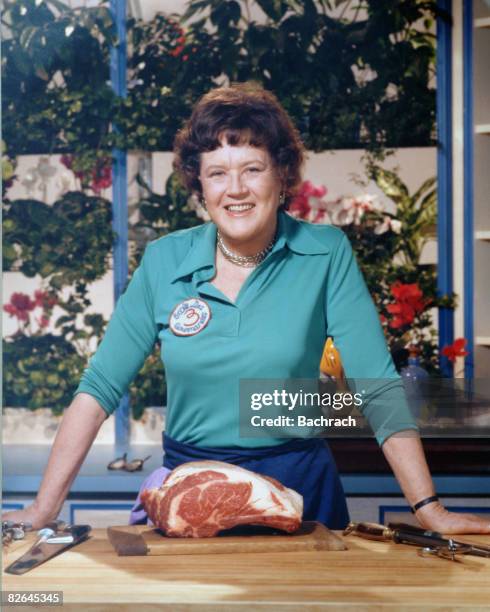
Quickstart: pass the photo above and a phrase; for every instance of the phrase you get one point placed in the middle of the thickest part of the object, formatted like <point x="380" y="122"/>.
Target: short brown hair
<point x="242" y="113"/>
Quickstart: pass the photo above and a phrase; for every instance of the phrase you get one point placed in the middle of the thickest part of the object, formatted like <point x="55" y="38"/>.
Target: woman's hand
<point x="32" y="514"/>
<point x="436" y="518"/>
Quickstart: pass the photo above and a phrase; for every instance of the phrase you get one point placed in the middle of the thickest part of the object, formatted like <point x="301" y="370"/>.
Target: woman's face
<point x="241" y="187"/>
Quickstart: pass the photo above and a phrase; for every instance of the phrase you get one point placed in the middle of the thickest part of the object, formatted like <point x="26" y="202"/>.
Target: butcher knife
<point x="49" y="545"/>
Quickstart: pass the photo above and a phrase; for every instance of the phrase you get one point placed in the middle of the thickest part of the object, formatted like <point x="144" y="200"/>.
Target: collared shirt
<point x="307" y="288"/>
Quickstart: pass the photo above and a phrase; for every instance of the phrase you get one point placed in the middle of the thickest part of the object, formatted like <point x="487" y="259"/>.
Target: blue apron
<point x="307" y="466"/>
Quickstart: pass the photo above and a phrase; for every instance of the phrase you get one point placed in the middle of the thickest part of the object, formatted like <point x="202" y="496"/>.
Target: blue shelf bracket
<point x="120" y="197"/>
<point x="444" y="176"/>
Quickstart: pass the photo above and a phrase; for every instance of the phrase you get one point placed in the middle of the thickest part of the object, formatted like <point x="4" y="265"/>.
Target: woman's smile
<point x="239" y="210"/>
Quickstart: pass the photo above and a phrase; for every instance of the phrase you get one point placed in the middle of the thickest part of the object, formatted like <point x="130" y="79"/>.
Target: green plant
<point x="162" y="214"/>
<point x="417" y="213"/>
<point x="68" y="246"/>
<point x="360" y="79"/>
<point x="40" y="372"/>
<point x="365" y="75"/>
<point x="55" y="71"/>
<point x="68" y="242"/>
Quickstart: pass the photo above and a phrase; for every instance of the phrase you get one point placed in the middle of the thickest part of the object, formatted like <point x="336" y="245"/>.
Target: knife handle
<point x="369" y="531"/>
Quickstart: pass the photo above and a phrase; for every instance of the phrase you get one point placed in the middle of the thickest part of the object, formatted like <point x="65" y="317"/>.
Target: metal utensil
<point x="51" y="543"/>
<point x="465" y="548"/>
<point x="431" y="542"/>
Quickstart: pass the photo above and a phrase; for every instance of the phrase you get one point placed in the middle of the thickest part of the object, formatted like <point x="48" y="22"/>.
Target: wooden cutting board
<point x="144" y="540"/>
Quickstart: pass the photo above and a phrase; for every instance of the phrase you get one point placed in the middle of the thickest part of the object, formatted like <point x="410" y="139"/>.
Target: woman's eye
<point x="216" y="173"/>
<point x="253" y="169"/>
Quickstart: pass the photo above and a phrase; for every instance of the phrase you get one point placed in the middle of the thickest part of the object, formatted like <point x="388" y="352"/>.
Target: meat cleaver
<point x="49" y="546"/>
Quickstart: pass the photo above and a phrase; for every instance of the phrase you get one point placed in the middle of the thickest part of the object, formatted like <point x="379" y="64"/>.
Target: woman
<point x="253" y="294"/>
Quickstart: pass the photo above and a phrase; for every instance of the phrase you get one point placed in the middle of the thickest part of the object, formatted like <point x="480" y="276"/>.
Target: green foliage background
<point x="361" y="79"/>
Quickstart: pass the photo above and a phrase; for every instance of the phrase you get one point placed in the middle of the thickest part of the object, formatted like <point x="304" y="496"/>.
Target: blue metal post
<point x="120" y="197"/>
<point x="444" y="182"/>
<point x="468" y="184"/>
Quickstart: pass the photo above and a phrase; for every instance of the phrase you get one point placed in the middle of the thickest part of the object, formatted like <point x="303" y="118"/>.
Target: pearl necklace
<point x="246" y="261"/>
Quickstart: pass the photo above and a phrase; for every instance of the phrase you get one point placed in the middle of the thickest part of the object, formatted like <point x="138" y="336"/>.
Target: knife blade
<point x="48" y="547"/>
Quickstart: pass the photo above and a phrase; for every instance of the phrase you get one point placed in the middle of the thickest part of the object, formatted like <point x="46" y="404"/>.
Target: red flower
<point x="456" y="349"/>
<point x="101" y="175"/>
<point x="19" y="306"/>
<point x="43" y="321"/>
<point x="67" y="161"/>
<point x="180" y="45"/>
<point x="409" y="303"/>
<point x="177" y="51"/>
<point x="402" y="315"/>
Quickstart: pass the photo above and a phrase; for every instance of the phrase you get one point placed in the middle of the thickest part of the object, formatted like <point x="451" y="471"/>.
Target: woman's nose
<point x="236" y="183"/>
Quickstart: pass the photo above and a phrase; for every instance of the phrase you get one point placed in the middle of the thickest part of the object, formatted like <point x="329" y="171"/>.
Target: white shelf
<point x="482" y="340"/>
<point x="482" y="22"/>
<point x="482" y="235"/>
<point x="482" y="128"/>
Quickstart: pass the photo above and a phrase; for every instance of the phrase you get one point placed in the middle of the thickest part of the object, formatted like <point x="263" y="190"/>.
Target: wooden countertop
<point x="368" y="576"/>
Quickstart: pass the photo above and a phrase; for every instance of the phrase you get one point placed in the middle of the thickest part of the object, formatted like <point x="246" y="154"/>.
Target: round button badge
<point x="189" y="317"/>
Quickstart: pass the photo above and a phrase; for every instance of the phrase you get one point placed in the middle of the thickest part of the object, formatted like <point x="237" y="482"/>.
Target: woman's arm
<point x="128" y="340"/>
<point x="405" y="454"/>
<point x="353" y="322"/>
<point x="78" y="429"/>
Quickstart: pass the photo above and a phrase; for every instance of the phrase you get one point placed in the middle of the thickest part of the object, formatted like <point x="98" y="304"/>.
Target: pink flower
<point x="310" y="191"/>
<point x="308" y="203"/>
<point x="44" y="299"/>
<point x="43" y="321"/>
<point x="19" y="306"/>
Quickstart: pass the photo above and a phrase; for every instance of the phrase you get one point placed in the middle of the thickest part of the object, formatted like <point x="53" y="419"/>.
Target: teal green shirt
<point x="307" y="288"/>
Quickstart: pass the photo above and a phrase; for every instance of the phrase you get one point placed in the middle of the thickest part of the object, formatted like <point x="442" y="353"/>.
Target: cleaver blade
<point x="43" y="550"/>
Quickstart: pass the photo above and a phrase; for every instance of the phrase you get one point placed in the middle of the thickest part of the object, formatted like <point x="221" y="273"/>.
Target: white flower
<point x="344" y="213"/>
<point x="194" y="204"/>
<point x="30" y="179"/>
<point x="396" y="226"/>
<point x="383" y="226"/>
<point x="64" y="182"/>
<point x="388" y="224"/>
<point x="45" y="169"/>
<point x="369" y="202"/>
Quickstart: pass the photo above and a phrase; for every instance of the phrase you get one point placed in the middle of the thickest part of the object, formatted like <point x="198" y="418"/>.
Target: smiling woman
<point x="251" y="295"/>
<point x="241" y="153"/>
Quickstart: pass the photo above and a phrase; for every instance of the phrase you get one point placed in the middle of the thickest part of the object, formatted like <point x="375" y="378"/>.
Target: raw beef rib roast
<point x="201" y="498"/>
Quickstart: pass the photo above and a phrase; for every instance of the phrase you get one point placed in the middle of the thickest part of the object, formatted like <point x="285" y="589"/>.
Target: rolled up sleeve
<point x="353" y="322"/>
<point x="128" y="340"/>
